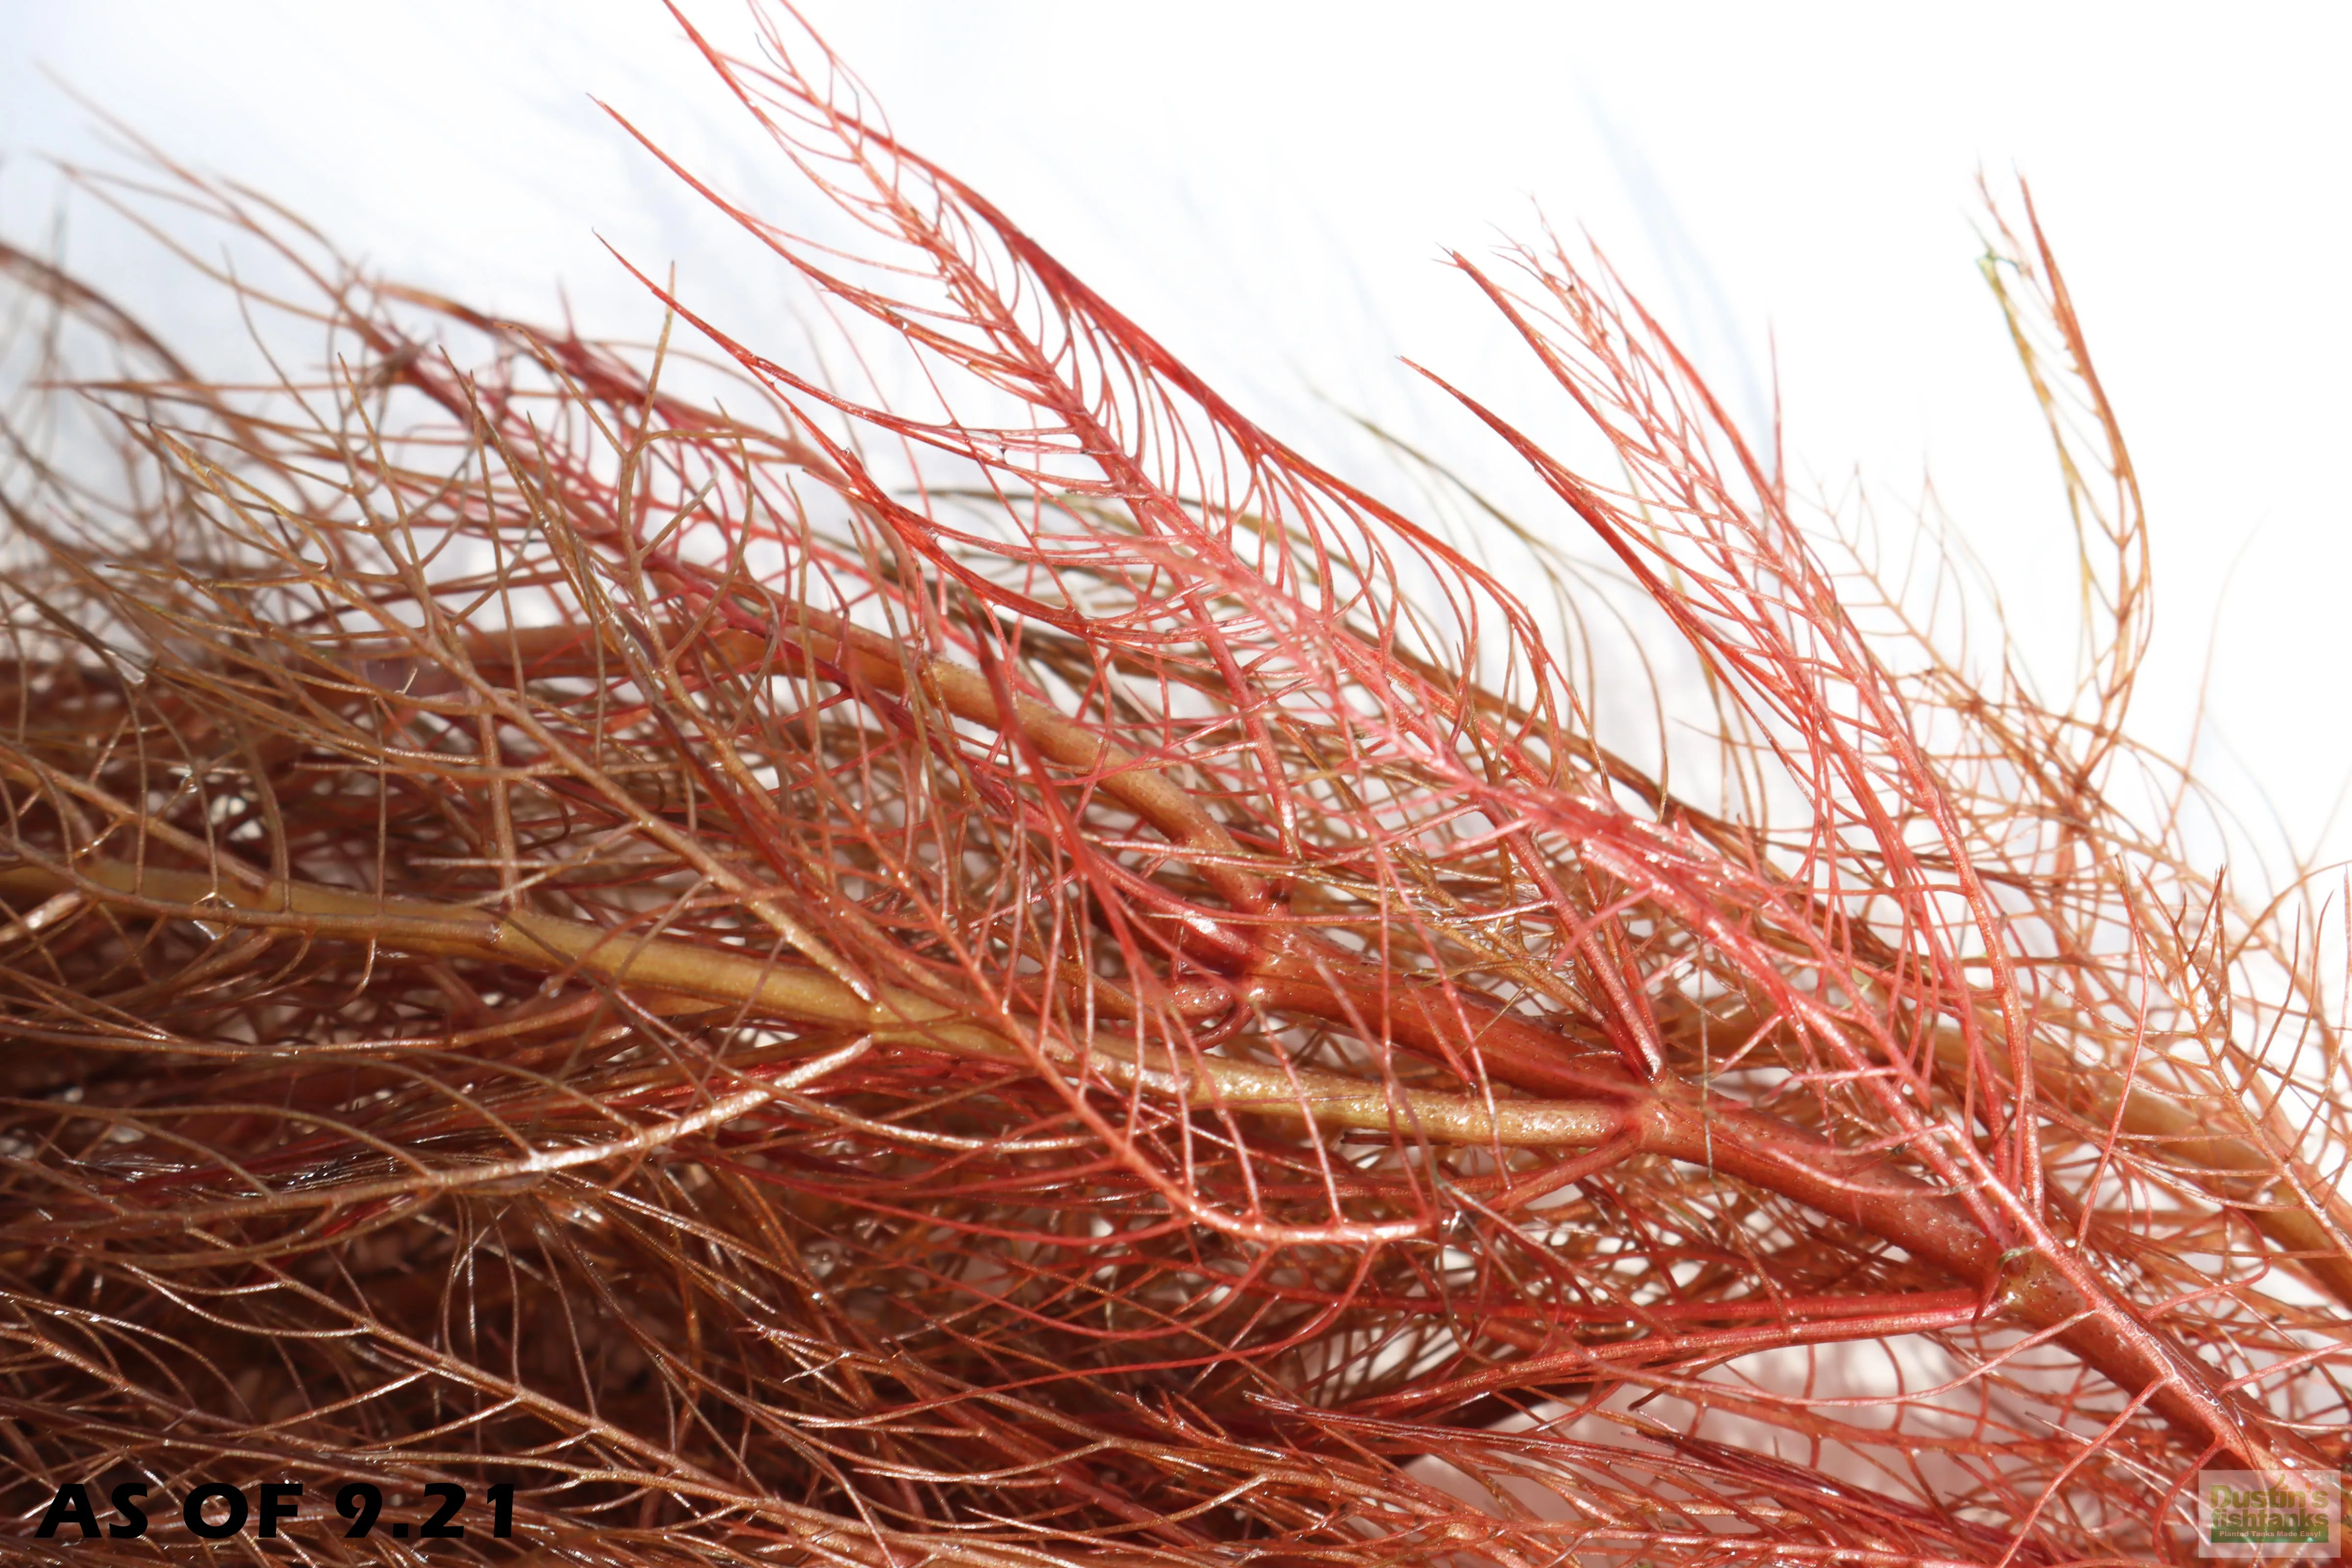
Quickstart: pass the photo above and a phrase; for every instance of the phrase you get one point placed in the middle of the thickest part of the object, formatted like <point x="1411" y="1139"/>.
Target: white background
<point x="1269" y="189"/>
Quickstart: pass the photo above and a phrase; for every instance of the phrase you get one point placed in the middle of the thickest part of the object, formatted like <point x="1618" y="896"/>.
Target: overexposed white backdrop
<point x="1270" y="189"/>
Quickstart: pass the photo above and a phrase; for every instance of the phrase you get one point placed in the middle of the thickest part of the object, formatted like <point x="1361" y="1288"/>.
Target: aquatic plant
<point x="1015" y="971"/>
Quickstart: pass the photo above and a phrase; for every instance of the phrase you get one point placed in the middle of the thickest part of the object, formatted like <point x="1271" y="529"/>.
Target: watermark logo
<point x="2269" y="1513"/>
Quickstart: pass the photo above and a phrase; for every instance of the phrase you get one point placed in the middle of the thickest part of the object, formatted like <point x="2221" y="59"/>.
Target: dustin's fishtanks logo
<point x="2269" y="1513"/>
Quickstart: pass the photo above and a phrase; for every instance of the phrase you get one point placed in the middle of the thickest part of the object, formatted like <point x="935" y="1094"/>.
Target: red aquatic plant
<point x="1015" y="971"/>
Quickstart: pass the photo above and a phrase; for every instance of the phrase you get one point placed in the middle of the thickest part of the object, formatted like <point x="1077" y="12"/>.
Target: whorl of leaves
<point x="1028" y="976"/>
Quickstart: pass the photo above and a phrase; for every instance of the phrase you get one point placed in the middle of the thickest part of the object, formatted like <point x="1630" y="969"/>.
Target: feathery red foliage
<point x="1026" y="975"/>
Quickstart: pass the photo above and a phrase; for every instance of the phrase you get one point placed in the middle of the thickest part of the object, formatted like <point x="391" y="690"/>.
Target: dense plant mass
<point x="1015" y="972"/>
